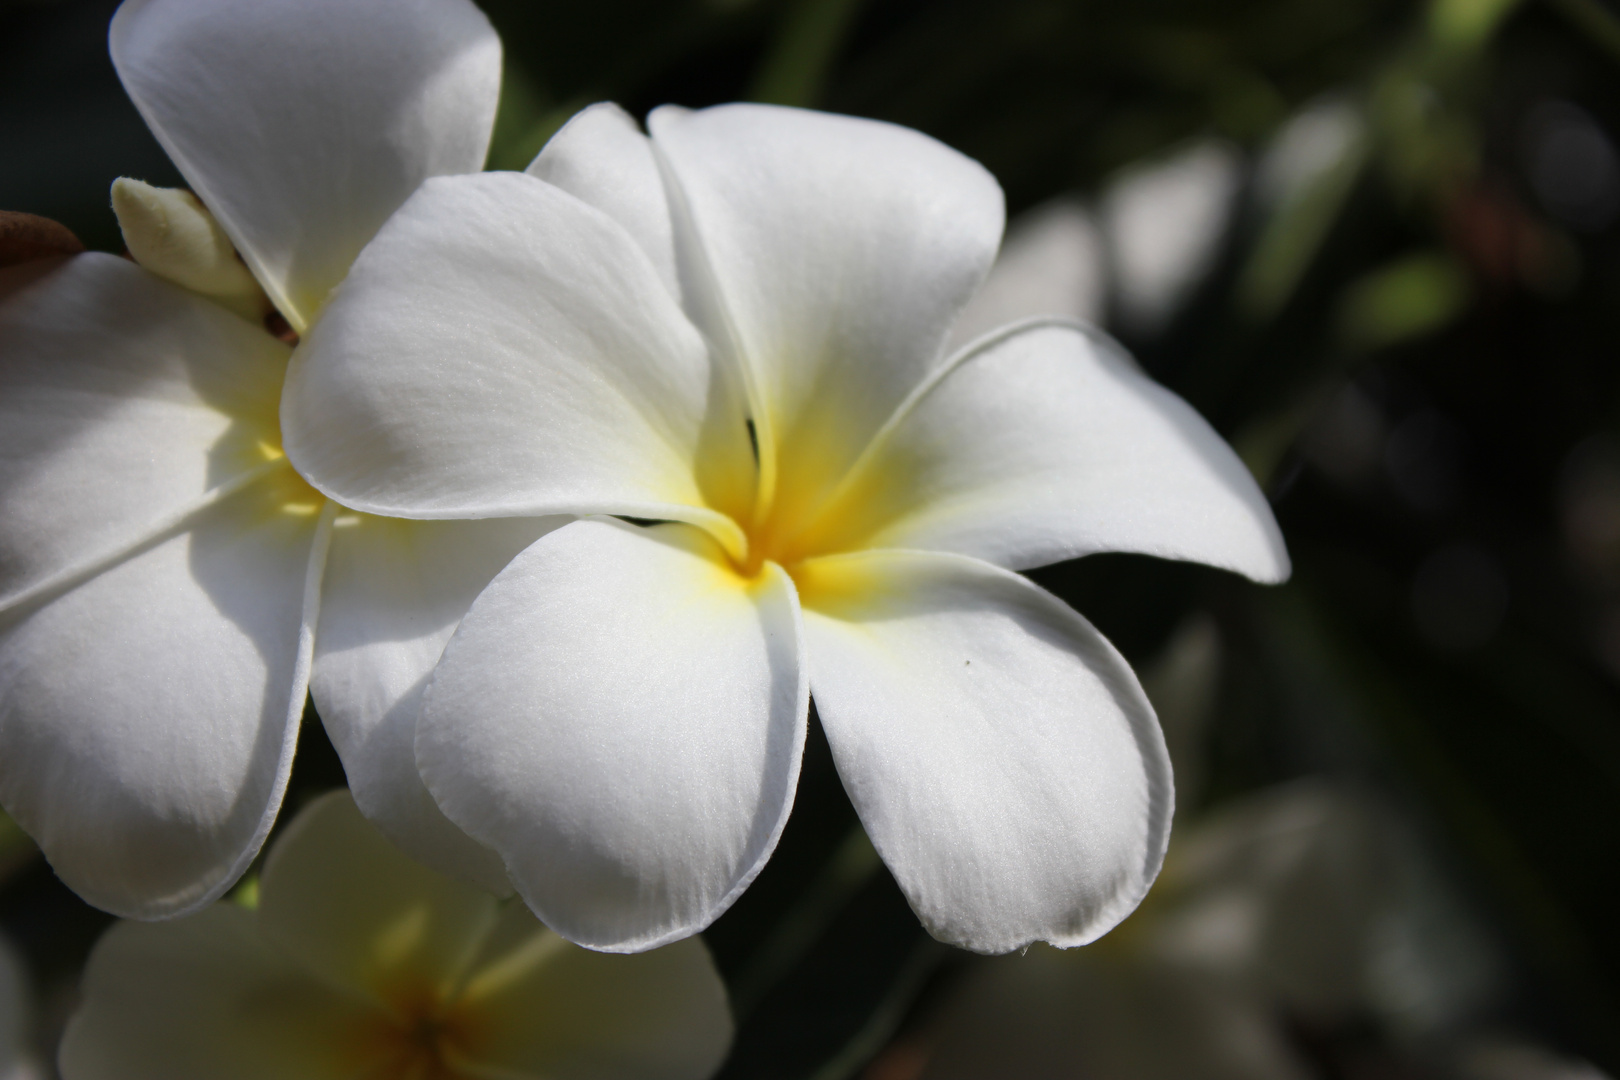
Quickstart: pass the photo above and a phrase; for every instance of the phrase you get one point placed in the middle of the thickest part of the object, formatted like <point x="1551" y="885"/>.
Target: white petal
<point x="303" y="124"/>
<point x="148" y="717"/>
<point x="502" y="350"/>
<point x="347" y="904"/>
<point x="546" y="1008"/>
<point x="1000" y="753"/>
<point x="395" y="591"/>
<point x="842" y="250"/>
<point x="125" y="402"/>
<point x="622" y="718"/>
<point x="1047" y="444"/>
<point x="203" y="998"/>
<point x="602" y="157"/>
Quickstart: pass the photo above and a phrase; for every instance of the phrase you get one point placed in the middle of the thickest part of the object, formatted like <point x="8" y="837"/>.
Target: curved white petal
<point x="1000" y="753"/>
<point x="303" y="124"/>
<point x="622" y="718"/>
<point x="546" y="1008"/>
<point x="1049" y="443"/>
<point x="202" y="998"/>
<point x="395" y="591"/>
<point x="148" y="717"/>
<point x="841" y="250"/>
<point x="503" y="349"/>
<point x="602" y="157"/>
<point x="347" y="904"/>
<point x="125" y="402"/>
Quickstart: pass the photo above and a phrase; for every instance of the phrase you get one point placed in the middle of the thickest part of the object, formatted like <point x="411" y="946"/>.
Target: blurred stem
<point x="850" y="867"/>
<point x="1594" y="20"/>
<point x="796" y="66"/>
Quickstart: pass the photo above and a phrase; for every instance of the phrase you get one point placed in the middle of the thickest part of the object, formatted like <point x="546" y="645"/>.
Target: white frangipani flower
<point x="358" y="962"/>
<point x="734" y="327"/>
<point x="169" y="587"/>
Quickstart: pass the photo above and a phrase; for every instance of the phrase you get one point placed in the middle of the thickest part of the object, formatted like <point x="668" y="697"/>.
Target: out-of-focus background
<point x="1373" y="241"/>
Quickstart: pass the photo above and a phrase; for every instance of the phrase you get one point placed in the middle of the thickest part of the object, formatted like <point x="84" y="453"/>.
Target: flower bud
<point x="171" y="233"/>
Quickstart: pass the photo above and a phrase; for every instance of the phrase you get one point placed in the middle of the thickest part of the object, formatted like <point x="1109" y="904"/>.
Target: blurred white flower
<point x="167" y="581"/>
<point x="734" y="328"/>
<point x="357" y="962"/>
<point x="1164" y="222"/>
<point x="1280" y="919"/>
<point x="1051" y="263"/>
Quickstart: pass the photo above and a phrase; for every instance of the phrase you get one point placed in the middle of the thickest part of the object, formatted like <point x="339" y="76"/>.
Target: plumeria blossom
<point x="169" y="587"/>
<point x="358" y="962"/>
<point x="730" y="332"/>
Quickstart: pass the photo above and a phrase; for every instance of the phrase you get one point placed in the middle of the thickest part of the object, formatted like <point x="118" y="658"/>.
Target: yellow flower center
<point x="814" y="504"/>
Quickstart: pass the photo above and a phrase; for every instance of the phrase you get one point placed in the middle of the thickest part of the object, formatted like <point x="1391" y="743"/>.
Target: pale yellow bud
<point x="171" y="233"/>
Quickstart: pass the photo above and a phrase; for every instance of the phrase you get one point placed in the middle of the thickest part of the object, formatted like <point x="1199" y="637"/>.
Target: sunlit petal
<point x="1000" y="753"/>
<point x="303" y="124"/>
<point x="842" y="249"/>
<point x="602" y="157"/>
<point x="621" y="716"/>
<point x="125" y="402"/>
<point x="1049" y="444"/>
<point x="148" y="717"/>
<point x="503" y="349"/>
<point x="395" y="591"/>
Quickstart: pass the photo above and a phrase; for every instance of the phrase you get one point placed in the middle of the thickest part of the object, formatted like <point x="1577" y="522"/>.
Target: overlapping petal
<point x="1000" y="753"/>
<point x="622" y="718"/>
<point x="347" y="906"/>
<point x="601" y="157"/>
<point x="548" y="1009"/>
<point x="841" y="250"/>
<point x="205" y="997"/>
<point x="303" y="124"/>
<point x="125" y="403"/>
<point x="148" y="717"/>
<point x="394" y="593"/>
<point x="504" y="349"/>
<point x="1048" y="443"/>
<point x="360" y="963"/>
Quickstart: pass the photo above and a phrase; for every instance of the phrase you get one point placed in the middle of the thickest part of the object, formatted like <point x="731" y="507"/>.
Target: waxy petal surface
<point x="1000" y="753"/>
<point x="348" y="906"/>
<point x="394" y="593"/>
<point x="601" y="157"/>
<point x="148" y="717"/>
<point x="841" y="251"/>
<point x="1048" y="444"/>
<point x="203" y="998"/>
<point x="622" y="718"/>
<point x="124" y="403"/>
<point x="503" y="349"/>
<point x="303" y="124"/>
